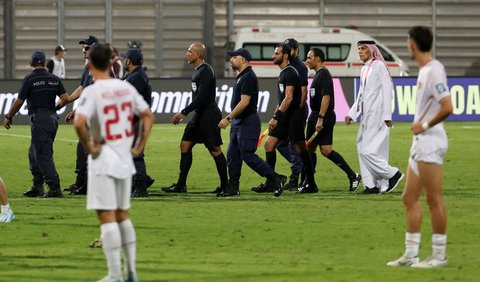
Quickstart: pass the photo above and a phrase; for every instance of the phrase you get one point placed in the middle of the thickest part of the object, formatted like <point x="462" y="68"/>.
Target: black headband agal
<point x="362" y="42"/>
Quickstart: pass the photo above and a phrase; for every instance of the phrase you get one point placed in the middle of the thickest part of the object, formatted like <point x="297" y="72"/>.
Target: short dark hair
<point x="99" y="56"/>
<point x="285" y="49"/>
<point x="317" y="52"/>
<point x="422" y="36"/>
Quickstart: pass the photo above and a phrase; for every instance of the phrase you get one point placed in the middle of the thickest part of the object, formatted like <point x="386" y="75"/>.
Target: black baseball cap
<point x="361" y="42"/>
<point x="240" y="52"/>
<point x="60" y="48"/>
<point x="292" y="43"/>
<point x="38" y="57"/>
<point x="89" y="40"/>
<point x="135" y="56"/>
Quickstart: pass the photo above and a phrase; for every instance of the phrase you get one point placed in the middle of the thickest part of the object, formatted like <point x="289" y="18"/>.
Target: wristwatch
<point x="228" y="118"/>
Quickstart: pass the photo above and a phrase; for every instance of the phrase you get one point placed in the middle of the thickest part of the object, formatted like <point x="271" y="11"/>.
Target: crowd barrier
<point x="172" y="95"/>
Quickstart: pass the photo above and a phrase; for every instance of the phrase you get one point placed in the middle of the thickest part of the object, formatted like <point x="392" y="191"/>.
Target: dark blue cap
<point x="89" y="40"/>
<point x="292" y="43"/>
<point x="38" y="57"/>
<point x="135" y="56"/>
<point x="240" y="52"/>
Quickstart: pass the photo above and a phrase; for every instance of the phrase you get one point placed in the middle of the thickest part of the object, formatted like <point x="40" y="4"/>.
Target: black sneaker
<point x="34" y="192"/>
<point x="139" y="193"/>
<point x="292" y="184"/>
<point x="70" y="188"/>
<point x="57" y="193"/>
<point x="149" y="181"/>
<point x="280" y="181"/>
<point x="307" y="189"/>
<point x="355" y="182"/>
<point x="374" y="190"/>
<point x="217" y="190"/>
<point x="394" y="181"/>
<point x="175" y="189"/>
<point x="263" y="188"/>
<point x="82" y="190"/>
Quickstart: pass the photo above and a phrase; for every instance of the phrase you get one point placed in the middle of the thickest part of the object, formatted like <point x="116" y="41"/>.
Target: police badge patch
<point x="440" y="88"/>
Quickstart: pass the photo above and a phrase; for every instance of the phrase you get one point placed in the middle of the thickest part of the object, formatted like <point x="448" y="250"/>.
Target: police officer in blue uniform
<point x="80" y="185"/>
<point x="203" y="127"/>
<point x="322" y="117"/>
<point x="40" y="89"/>
<point x="289" y="118"/>
<point x="245" y="128"/>
<point x="139" y="79"/>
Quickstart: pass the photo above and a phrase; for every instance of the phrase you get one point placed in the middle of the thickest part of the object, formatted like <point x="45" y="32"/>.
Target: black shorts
<point x="292" y="126"/>
<point x="203" y="128"/>
<point x="324" y="137"/>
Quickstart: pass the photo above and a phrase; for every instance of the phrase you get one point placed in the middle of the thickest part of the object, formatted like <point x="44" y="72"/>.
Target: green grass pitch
<point x="330" y="236"/>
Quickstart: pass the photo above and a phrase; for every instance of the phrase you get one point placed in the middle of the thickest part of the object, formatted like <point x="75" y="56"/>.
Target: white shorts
<point x="435" y="157"/>
<point x="108" y="193"/>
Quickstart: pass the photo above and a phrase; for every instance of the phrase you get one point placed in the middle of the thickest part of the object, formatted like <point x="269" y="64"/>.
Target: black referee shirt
<point x="40" y="88"/>
<point x="246" y="84"/>
<point x="203" y="89"/>
<point x="289" y="77"/>
<point x="322" y="85"/>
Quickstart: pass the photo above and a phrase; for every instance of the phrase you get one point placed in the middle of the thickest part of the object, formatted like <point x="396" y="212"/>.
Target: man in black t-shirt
<point x="322" y="117"/>
<point x="203" y="127"/>
<point x="245" y="126"/>
<point x="40" y="89"/>
<point x="289" y="120"/>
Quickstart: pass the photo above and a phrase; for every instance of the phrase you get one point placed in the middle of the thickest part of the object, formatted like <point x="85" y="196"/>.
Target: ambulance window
<point x="260" y="51"/>
<point x="333" y="52"/>
<point x="255" y="51"/>
<point x="267" y="52"/>
<point x="387" y="56"/>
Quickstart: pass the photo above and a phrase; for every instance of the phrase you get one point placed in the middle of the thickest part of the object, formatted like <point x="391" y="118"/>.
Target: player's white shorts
<point x="107" y="193"/>
<point x="428" y="147"/>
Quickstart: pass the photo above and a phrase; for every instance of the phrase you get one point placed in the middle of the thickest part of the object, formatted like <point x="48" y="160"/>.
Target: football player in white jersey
<point x="107" y="107"/>
<point x="424" y="173"/>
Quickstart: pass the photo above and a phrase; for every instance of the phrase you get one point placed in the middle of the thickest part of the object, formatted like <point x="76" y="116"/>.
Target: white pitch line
<point x="470" y="127"/>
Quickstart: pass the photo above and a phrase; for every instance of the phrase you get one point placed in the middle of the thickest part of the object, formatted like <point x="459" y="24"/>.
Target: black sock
<point x="221" y="164"/>
<point x="185" y="164"/>
<point x="307" y="164"/>
<point x="340" y="162"/>
<point x="271" y="158"/>
<point x="313" y="156"/>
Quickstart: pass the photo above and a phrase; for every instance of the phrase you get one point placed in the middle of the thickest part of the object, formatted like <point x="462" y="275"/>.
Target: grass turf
<point x="330" y="236"/>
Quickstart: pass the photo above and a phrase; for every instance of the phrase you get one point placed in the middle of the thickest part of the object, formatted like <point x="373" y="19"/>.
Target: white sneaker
<point x="430" y="262"/>
<point x="7" y="216"/>
<point x="403" y="261"/>
<point x="109" y="278"/>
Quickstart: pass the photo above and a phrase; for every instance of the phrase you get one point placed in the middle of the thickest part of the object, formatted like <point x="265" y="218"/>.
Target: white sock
<point x="439" y="245"/>
<point x="6" y="207"/>
<point x="111" y="248"/>
<point x="129" y="244"/>
<point x="412" y="244"/>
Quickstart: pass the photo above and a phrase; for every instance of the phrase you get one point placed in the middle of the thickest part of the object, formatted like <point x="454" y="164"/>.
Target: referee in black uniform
<point x="139" y="79"/>
<point x="40" y="89"/>
<point x="245" y="126"/>
<point x="289" y="118"/>
<point x="203" y="127"/>
<point x="322" y="117"/>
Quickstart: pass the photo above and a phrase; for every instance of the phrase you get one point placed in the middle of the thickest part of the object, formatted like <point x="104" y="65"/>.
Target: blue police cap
<point x="38" y="57"/>
<point x="135" y="56"/>
<point x="240" y="52"/>
<point x="292" y="43"/>
<point x="89" y="40"/>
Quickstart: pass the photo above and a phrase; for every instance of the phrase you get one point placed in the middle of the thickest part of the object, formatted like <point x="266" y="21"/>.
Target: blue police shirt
<point x="87" y="78"/>
<point x="246" y="84"/>
<point x="40" y="88"/>
<point x="139" y="79"/>
<point x="301" y="69"/>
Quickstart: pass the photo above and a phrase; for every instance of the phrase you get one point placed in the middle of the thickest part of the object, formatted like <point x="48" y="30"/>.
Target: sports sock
<point x="111" y="244"/>
<point x="185" y="164"/>
<point x="307" y="164"/>
<point x="221" y="164"/>
<point x="313" y="157"/>
<point x="6" y="207"/>
<point x="337" y="159"/>
<point x="129" y="244"/>
<point x="271" y="158"/>
<point x="412" y="244"/>
<point x="439" y="245"/>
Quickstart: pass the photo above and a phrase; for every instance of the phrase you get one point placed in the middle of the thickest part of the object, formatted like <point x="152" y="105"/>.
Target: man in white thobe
<point x="374" y="104"/>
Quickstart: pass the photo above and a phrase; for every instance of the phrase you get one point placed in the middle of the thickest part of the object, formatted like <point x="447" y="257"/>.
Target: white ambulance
<point x="339" y="45"/>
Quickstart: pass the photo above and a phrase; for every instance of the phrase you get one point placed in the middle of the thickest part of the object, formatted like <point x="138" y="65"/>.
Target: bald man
<point x="202" y="128"/>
